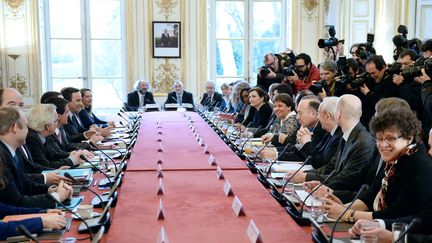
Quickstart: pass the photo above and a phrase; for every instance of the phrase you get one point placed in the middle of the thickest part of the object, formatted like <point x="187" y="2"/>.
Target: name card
<point x="162" y="237"/>
<point x="160" y="149"/>
<point x="253" y="232"/>
<point x="159" y="139"/>
<point x="237" y="206"/>
<point x="201" y="141"/>
<point x="159" y="171"/>
<point x="160" y="190"/>
<point x="206" y="149"/>
<point x="160" y="132"/>
<point x="160" y="213"/>
<point x="228" y="189"/>
<point x="211" y="160"/>
<point x="219" y="173"/>
<point x="159" y="161"/>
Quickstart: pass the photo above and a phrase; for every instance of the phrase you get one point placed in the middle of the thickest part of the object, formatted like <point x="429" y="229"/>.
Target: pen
<point x="95" y="182"/>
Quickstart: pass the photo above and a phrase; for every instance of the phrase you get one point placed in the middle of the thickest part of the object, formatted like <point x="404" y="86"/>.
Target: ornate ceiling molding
<point x="166" y="7"/>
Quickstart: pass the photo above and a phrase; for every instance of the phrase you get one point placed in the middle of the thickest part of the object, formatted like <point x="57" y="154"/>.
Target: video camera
<point x="365" y="50"/>
<point x="318" y="86"/>
<point x="402" y="43"/>
<point x="354" y="81"/>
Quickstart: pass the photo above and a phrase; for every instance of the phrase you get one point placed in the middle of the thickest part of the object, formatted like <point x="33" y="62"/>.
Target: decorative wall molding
<point x="15" y="8"/>
<point x="166" y="7"/>
<point x="166" y="71"/>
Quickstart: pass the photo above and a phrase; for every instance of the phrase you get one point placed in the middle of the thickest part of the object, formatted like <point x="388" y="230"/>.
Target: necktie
<point x="342" y="147"/>
<point x="59" y="137"/>
<point x="16" y="161"/>
<point x="77" y="120"/>
<point x="141" y="100"/>
<point x="179" y="99"/>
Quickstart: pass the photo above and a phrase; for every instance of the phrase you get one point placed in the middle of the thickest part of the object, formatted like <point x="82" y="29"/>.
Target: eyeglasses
<point x="388" y="140"/>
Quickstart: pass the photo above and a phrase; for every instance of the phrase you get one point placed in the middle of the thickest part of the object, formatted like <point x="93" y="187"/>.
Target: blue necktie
<point x="16" y="161"/>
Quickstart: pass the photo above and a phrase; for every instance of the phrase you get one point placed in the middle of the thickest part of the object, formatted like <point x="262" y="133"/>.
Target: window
<point x="84" y="48"/>
<point x="241" y="33"/>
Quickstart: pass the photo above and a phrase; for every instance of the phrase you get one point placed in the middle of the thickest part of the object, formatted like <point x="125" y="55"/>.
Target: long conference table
<point x="169" y="167"/>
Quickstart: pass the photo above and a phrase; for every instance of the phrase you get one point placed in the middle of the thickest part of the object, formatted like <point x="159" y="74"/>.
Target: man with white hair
<point x="179" y="95"/>
<point x="354" y="150"/>
<point x="211" y="98"/>
<point x="140" y="97"/>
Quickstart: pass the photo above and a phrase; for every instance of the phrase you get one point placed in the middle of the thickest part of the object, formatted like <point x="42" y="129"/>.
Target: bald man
<point x="355" y="148"/>
<point x="11" y="97"/>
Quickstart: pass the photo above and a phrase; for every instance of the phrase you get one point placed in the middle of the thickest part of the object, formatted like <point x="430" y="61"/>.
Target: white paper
<point x="302" y="194"/>
<point x="285" y="167"/>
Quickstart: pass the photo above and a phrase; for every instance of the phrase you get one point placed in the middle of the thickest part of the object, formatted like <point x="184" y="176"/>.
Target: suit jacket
<point x="34" y="225"/>
<point x="32" y="169"/>
<point x="259" y="117"/>
<point x="293" y="154"/>
<point x="216" y="101"/>
<point x="72" y="133"/>
<point x="66" y="144"/>
<point x="45" y="155"/>
<point x="133" y="100"/>
<point x="88" y="118"/>
<point x="409" y="190"/>
<point x="74" y="124"/>
<point x="348" y="162"/>
<point x="20" y="190"/>
<point x="186" y="98"/>
<point x="324" y="150"/>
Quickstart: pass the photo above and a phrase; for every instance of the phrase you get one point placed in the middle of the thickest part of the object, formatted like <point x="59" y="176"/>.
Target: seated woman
<point x="285" y="122"/>
<point x="34" y="225"/>
<point x="260" y="111"/>
<point x="407" y="170"/>
<point x="88" y="118"/>
<point x="243" y="106"/>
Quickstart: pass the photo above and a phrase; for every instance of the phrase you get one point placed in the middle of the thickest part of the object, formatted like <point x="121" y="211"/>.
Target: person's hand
<point x="397" y="79"/>
<point x="271" y="74"/>
<point x="297" y="178"/>
<point x="105" y="132"/>
<point x="304" y="135"/>
<point x="266" y="138"/>
<point x="53" y="221"/>
<point x="64" y="167"/>
<point x="364" y="89"/>
<point x="350" y="88"/>
<point x="310" y="185"/>
<point x="282" y="137"/>
<point x="54" y="178"/>
<point x="355" y="230"/>
<point x="423" y="78"/>
<point x="294" y="77"/>
<point x="111" y="124"/>
<point x="88" y="134"/>
<point x="322" y="94"/>
<point x="333" y="209"/>
<point x="75" y="156"/>
<point x="383" y="235"/>
<point x="64" y="191"/>
<point x="58" y="211"/>
<point x="269" y="153"/>
<point x="87" y="153"/>
<point x="96" y="138"/>
<point x="322" y="191"/>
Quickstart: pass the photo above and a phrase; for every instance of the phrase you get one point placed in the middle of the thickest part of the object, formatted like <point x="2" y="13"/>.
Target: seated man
<point x="42" y="122"/>
<point x="211" y="98"/>
<point x="179" y="95"/>
<point x="140" y="97"/>
<point x="354" y="150"/>
<point x="19" y="189"/>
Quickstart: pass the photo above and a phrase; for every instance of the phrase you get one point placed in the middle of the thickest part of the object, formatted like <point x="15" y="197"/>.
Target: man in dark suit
<point x="140" y="97"/>
<point x="179" y="95"/>
<point x="354" y="150"/>
<point x="211" y="98"/>
<point x="20" y="190"/>
<point x="74" y="128"/>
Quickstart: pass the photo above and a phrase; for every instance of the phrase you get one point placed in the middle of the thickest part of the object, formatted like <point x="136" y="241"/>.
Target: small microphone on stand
<point x="22" y="230"/>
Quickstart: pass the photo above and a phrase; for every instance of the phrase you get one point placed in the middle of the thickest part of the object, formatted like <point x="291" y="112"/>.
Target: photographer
<point x="328" y="85"/>
<point x="379" y="85"/>
<point x="407" y="88"/>
<point x="270" y="73"/>
<point x="305" y="72"/>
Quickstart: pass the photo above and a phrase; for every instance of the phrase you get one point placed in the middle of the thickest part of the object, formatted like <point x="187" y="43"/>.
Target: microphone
<point x="127" y="121"/>
<point x="70" y="211"/>
<point x="66" y="174"/>
<point x="96" y="147"/>
<point x="307" y="161"/>
<point x="128" y="107"/>
<point x="259" y="151"/>
<point x="414" y="223"/>
<point x="277" y="158"/>
<point x="97" y="168"/>
<point x="314" y="190"/>
<point x="363" y="188"/>
<point x="22" y="230"/>
<point x="247" y="140"/>
<point x="240" y="131"/>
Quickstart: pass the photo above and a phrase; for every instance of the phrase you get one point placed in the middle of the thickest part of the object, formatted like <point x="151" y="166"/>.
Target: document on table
<point x="302" y="194"/>
<point x="287" y="166"/>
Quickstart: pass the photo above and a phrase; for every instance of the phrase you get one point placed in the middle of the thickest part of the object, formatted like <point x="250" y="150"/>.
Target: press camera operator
<point x="374" y="85"/>
<point x="304" y="73"/>
<point x="270" y="73"/>
<point x="407" y="88"/>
